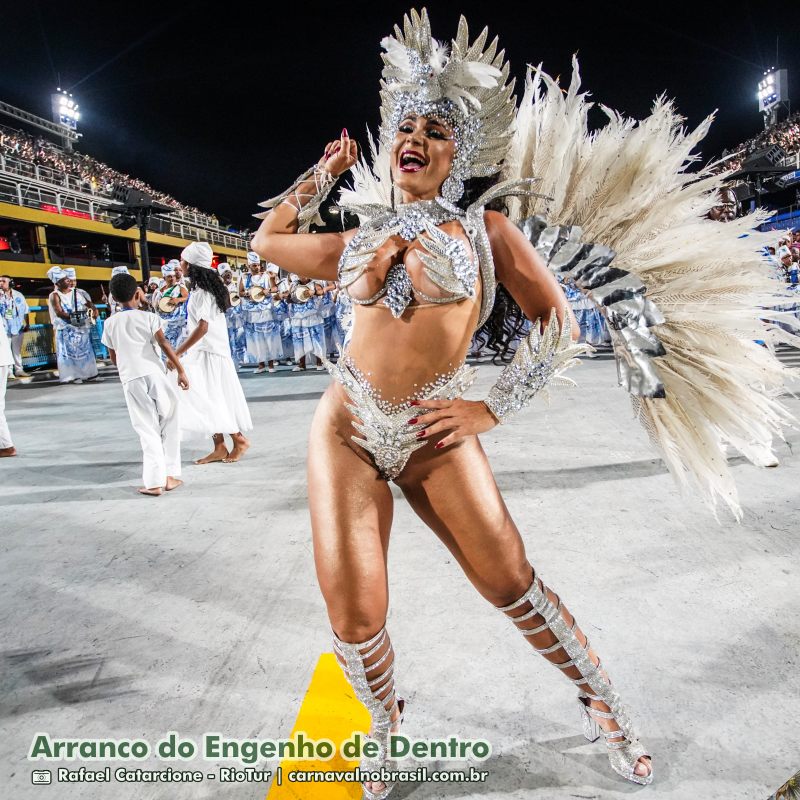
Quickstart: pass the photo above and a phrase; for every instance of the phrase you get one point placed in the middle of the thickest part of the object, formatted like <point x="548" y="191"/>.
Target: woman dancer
<point x="425" y="271"/>
<point x="177" y="296"/>
<point x="215" y="403"/>
<point x="422" y="271"/>
<point x="72" y="314"/>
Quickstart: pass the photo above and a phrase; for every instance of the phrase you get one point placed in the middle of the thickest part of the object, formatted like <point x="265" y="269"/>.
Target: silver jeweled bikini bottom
<point x="383" y="425"/>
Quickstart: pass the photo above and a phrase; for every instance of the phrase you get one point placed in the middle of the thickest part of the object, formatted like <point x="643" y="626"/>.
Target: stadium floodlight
<point x="65" y="113"/>
<point x="773" y="89"/>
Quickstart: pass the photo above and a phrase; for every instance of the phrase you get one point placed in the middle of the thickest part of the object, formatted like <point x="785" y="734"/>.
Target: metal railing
<point x="24" y="183"/>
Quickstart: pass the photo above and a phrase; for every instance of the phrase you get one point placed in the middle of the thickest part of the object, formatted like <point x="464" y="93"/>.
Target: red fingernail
<point x="344" y="131"/>
<point x="413" y="421"/>
<point x="414" y="403"/>
<point x="439" y="445"/>
<point x="421" y="434"/>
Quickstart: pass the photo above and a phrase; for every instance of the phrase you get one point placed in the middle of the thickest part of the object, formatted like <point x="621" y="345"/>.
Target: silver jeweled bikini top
<point x="447" y="261"/>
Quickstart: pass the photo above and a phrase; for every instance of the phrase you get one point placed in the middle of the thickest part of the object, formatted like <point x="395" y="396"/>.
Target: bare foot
<point x="219" y="453"/>
<point x="155" y="492"/>
<point x="173" y="483"/>
<point x="8" y="452"/>
<point x="239" y="449"/>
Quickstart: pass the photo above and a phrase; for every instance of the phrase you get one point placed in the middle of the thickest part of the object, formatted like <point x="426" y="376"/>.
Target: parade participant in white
<point x="178" y="295"/>
<point x="7" y="448"/>
<point x="261" y="331"/>
<point x="131" y="337"/>
<point x="113" y="305"/>
<point x="14" y="312"/>
<point x="72" y="314"/>
<point x="233" y="316"/>
<point x="215" y="403"/>
<point x="308" y="332"/>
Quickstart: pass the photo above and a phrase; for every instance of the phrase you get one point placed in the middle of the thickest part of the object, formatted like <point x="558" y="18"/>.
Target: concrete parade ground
<point x="127" y="617"/>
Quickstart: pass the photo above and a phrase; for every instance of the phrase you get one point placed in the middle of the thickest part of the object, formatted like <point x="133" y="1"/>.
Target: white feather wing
<point x="627" y="186"/>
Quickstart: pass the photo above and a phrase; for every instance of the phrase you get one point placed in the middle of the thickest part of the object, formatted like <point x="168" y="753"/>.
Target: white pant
<point x="5" y="433"/>
<point x="153" y="407"/>
<point x="16" y="349"/>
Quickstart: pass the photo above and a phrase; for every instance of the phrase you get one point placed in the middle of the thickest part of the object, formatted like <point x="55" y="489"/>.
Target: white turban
<point x="199" y="254"/>
<point x="56" y="274"/>
<point x="273" y="268"/>
<point x="224" y="267"/>
<point x="119" y="271"/>
<point x="168" y="269"/>
<point x="69" y="272"/>
<point x="253" y="258"/>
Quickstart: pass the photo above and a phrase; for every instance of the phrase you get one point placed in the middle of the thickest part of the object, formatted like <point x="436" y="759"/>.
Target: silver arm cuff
<point x="540" y="357"/>
<point x="306" y="205"/>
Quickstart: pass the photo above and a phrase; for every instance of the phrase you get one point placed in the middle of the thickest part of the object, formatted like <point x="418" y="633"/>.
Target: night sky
<point x="223" y="104"/>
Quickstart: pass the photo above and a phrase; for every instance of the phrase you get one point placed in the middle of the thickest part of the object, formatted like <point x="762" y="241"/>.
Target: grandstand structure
<point x="51" y="215"/>
<point x="765" y="171"/>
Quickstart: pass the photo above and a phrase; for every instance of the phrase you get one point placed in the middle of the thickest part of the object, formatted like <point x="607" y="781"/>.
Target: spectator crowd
<point x="94" y="175"/>
<point x="785" y="133"/>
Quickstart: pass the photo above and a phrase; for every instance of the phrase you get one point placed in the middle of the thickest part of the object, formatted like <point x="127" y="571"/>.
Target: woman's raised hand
<point x="340" y="154"/>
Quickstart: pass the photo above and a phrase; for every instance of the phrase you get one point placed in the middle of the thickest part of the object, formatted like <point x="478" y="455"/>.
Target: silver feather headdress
<point x="464" y="84"/>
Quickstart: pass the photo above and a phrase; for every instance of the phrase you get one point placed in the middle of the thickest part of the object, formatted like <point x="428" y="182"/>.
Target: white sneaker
<point x="258" y="370"/>
<point x="297" y="369"/>
<point x="77" y="381"/>
<point x="272" y="369"/>
<point x="320" y="367"/>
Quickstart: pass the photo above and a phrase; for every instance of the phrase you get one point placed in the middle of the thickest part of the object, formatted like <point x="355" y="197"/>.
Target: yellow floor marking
<point x="329" y="711"/>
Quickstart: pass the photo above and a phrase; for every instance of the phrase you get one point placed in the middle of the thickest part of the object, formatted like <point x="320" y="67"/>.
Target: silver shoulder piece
<point x="540" y="357"/>
<point x="619" y="295"/>
<point x="305" y="204"/>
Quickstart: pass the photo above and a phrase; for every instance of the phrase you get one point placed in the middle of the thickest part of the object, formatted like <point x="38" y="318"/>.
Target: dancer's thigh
<point x="351" y="515"/>
<point x="454" y="492"/>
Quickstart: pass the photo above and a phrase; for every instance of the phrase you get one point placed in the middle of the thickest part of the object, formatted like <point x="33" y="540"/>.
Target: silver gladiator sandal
<point x="624" y="748"/>
<point x="373" y="684"/>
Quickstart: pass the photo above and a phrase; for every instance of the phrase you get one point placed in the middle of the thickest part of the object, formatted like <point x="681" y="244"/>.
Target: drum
<point x="303" y="293"/>
<point x="257" y="293"/>
<point x="235" y="299"/>
<point x="166" y="305"/>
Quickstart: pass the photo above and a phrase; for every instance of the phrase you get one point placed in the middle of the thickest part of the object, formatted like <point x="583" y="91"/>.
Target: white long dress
<point x="215" y="402"/>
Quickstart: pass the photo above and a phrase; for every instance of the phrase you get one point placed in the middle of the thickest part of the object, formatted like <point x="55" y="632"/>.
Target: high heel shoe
<point x="623" y="754"/>
<point x="374" y="693"/>
<point x="381" y="761"/>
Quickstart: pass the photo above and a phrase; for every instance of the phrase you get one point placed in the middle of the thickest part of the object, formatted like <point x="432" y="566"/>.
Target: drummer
<point x="262" y="336"/>
<point x="308" y="330"/>
<point x="172" y="306"/>
<point x="233" y="316"/>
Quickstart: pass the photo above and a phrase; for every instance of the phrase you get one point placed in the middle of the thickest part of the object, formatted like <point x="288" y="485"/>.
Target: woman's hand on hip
<point x="458" y="418"/>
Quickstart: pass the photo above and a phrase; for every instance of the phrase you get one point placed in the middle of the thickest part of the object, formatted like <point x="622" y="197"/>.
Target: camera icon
<point x="41" y="777"/>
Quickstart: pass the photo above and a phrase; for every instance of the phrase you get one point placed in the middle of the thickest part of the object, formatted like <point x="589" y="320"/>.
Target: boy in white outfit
<point x="6" y="363"/>
<point x="131" y="336"/>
